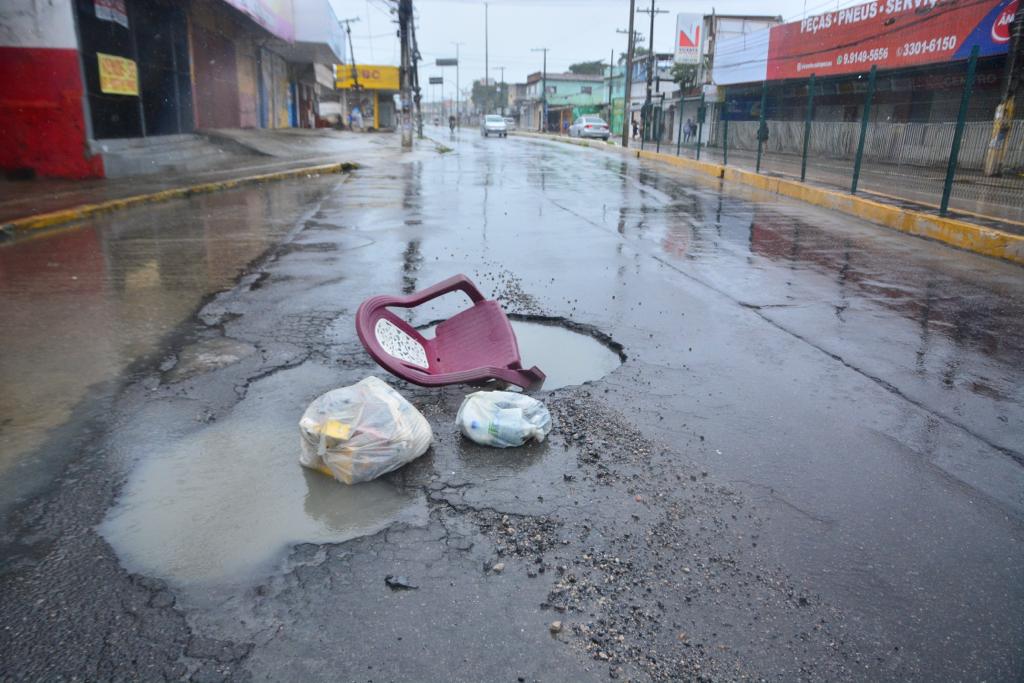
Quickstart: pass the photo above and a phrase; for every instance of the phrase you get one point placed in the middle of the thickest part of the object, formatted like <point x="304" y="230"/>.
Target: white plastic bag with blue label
<point x="503" y="419"/>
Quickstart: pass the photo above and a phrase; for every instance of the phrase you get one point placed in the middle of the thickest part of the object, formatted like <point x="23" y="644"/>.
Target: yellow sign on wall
<point x="118" y="76"/>
<point x="371" y="77"/>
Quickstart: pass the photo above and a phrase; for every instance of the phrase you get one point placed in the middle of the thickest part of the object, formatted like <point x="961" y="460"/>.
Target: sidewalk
<point x="273" y="152"/>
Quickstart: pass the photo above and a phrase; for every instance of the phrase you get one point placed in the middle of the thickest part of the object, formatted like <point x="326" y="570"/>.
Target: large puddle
<point x="226" y="501"/>
<point x="567" y="357"/>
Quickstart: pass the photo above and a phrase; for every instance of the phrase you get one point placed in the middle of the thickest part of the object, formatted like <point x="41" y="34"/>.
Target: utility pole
<point x="351" y="51"/>
<point x="487" y="70"/>
<point x="1004" y="112"/>
<point x="458" y="92"/>
<point x="417" y="95"/>
<point x="650" y="64"/>
<point x="627" y="115"/>
<point x="405" y="74"/>
<point x="352" y="56"/>
<point x="544" y="87"/>
<point x="501" y="87"/>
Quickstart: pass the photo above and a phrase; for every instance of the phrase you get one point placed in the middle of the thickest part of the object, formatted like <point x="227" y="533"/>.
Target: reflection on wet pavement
<point x="81" y="305"/>
<point x="224" y="503"/>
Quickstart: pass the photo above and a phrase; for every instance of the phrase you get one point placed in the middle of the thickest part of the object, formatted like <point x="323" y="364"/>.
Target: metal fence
<point x="847" y="134"/>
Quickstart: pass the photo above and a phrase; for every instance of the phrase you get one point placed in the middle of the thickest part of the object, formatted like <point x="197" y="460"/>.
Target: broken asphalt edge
<point x="951" y="231"/>
<point x="82" y="211"/>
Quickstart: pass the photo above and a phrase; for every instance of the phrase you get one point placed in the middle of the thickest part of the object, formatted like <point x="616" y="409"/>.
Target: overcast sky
<point x="574" y="30"/>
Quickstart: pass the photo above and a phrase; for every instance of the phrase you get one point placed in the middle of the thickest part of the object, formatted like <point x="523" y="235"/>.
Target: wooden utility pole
<point x="627" y="115"/>
<point x="651" y="60"/>
<point x="405" y="73"/>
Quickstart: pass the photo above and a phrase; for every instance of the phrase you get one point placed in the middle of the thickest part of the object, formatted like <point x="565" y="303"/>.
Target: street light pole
<point x="544" y="87"/>
<point x="487" y="70"/>
<point x="458" y="106"/>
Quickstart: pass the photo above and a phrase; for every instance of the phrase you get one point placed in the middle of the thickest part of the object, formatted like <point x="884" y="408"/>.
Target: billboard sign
<point x="447" y="61"/>
<point x="890" y="34"/>
<point x="688" y="29"/>
<point x="277" y="16"/>
<point x="436" y="80"/>
<point x="371" y="77"/>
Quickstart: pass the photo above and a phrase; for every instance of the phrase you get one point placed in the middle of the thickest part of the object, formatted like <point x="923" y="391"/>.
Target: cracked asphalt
<point x="809" y="465"/>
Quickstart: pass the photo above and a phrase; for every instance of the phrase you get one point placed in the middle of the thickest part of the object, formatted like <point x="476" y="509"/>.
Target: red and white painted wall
<point x="42" y="120"/>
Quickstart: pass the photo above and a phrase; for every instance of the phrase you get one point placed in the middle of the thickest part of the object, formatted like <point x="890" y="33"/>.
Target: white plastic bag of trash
<point x="360" y="432"/>
<point x="503" y="418"/>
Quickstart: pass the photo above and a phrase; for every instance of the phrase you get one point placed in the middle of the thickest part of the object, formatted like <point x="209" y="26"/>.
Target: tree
<point x="685" y="75"/>
<point x="484" y="96"/>
<point x="595" y="68"/>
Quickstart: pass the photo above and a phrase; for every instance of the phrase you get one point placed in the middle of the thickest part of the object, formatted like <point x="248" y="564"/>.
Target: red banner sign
<point x="890" y="34"/>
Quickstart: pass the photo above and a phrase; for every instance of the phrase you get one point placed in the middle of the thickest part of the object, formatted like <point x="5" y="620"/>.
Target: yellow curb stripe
<point x="77" y="213"/>
<point x="954" y="232"/>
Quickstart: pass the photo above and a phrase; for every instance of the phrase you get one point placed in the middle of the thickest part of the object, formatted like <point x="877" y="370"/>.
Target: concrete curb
<point x="954" y="232"/>
<point x="77" y="213"/>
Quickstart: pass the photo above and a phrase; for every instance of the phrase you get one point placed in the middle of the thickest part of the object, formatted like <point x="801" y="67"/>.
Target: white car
<point x="510" y="123"/>
<point x="589" y="127"/>
<point x="493" y="124"/>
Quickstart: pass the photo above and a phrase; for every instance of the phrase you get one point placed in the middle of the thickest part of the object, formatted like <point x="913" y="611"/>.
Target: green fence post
<point x="725" y="133"/>
<point x="761" y="125"/>
<point x="954" y="152"/>
<point x="807" y="127"/>
<point x="643" y="124"/>
<point x="701" y="113"/>
<point x="679" y="134"/>
<point x="658" y="121"/>
<point x="863" y="128"/>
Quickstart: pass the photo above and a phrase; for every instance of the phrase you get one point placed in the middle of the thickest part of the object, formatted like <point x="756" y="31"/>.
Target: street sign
<point x="436" y="80"/>
<point x="447" y="62"/>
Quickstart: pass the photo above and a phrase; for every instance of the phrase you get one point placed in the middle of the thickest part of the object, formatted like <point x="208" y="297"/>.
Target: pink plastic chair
<point x="473" y="346"/>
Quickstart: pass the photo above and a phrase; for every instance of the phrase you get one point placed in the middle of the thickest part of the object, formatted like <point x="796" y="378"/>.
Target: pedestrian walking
<point x="636" y="129"/>
<point x="688" y="130"/>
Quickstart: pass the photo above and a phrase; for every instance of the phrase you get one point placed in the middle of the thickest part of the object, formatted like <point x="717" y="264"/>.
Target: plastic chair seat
<point x="475" y="345"/>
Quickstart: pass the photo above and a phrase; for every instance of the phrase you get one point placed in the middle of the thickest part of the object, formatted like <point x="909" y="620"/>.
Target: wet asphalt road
<point x="810" y="465"/>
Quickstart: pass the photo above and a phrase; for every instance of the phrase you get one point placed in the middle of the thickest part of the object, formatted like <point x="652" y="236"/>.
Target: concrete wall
<point x="42" y="119"/>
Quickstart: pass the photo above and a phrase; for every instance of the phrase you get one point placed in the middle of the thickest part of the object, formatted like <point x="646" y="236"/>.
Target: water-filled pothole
<point x="568" y="353"/>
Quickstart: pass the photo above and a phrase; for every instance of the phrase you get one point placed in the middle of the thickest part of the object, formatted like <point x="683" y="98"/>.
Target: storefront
<point x="371" y="88"/>
<point x="135" y="58"/>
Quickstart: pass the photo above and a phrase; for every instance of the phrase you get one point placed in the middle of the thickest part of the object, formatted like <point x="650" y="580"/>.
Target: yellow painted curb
<point x="958" y="233"/>
<point x="77" y="213"/>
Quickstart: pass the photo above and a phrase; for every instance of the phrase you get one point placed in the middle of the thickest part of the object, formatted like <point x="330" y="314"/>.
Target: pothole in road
<point x="226" y="501"/>
<point x="569" y="353"/>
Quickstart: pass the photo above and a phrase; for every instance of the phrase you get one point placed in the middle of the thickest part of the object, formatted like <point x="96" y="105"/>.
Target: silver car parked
<point x="493" y="125"/>
<point x="589" y="127"/>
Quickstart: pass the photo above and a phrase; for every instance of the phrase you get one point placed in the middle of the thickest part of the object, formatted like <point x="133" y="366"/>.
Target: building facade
<point x="568" y="96"/>
<point x="74" y="73"/>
